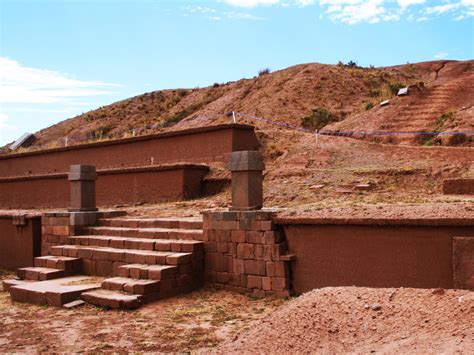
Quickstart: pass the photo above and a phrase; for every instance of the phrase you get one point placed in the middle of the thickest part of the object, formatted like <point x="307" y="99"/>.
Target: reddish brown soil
<point x="287" y="96"/>
<point x="199" y="320"/>
<point x="362" y="320"/>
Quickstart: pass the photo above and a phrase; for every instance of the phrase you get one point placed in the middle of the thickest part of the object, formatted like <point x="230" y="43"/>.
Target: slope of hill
<point x="288" y="96"/>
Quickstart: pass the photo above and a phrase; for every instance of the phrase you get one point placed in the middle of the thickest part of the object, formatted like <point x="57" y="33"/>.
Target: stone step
<point x="122" y="255"/>
<point x="39" y="273"/>
<point x="52" y="292"/>
<point x="174" y="245"/>
<point x="112" y="299"/>
<point x="132" y="286"/>
<point x="152" y="272"/>
<point x="70" y="266"/>
<point x="172" y="222"/>
<point x="148" y="233"/>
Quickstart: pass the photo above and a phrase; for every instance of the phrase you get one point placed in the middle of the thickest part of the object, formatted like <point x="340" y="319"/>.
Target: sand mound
<point x="366" y="320"/>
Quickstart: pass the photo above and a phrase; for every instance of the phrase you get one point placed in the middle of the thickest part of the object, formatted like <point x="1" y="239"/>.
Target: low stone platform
<point x="51" y="292"/>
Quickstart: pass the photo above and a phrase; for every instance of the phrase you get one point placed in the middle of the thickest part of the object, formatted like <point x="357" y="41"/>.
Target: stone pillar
<point x="247" y="181"/>
<point x="82" y="178"/>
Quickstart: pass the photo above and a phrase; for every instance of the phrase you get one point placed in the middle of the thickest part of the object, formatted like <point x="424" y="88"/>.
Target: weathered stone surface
<point x="463" y="262"/>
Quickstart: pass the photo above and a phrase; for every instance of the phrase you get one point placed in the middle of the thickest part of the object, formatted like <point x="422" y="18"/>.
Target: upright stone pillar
<point x="247" y="182"/>
<point x="82" y="178"/>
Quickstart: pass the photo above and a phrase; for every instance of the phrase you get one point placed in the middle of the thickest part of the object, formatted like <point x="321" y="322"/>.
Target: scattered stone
<point x="438" y="291"/>
<point x="24" y="141"/>
<point x="384" y="103"/>
<point x="376" y="307"/>
<point x="366" y="306"/>
<point x="74" y="304"/>
<point x="403" y="92"/>
<point x="316" y="187"/>
<point x="363" y="187"/>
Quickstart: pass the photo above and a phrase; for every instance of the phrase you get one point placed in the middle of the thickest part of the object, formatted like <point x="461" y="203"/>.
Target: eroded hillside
<point x="349" y="95"/>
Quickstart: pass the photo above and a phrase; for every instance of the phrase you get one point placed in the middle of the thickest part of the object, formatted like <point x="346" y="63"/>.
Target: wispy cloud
<point x="440" y="55"/>
<point x="21" y="84"/>
<point x="217" y="15"/>
<point x="251" y="3"/>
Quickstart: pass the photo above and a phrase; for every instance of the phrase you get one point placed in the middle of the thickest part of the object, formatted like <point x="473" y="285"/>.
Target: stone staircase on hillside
<point x="122" y="263"/>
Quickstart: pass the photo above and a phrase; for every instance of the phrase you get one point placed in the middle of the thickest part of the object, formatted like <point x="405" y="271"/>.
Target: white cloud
<point x="356" y="11"/>
<point x="422" y="19"/>
<point x="441" y="9"/>
<point x="242" y="16"/>
<point x="20" y="84"/>
<point x="303" y="3"/>
<point x="199" y="9"/>
<point x="405" y="3"/>
<point x="251" y="3"/>
<point x="440" y="55"/>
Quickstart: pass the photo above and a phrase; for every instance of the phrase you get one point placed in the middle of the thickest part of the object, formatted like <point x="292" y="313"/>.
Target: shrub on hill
<point x="319" y="118"/>
<point x="264" y="71"/>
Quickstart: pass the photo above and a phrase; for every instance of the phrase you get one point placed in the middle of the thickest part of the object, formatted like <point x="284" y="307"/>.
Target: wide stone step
<point x="152" y="272"/>
<point x="150" y="233"/>
<point x="132" y="286"/>
<point x="52" y="292"/>
<point x="175" y="222"/>
<point x="174" y="245"/>
<point x="122" y="255"/>
<point x="39" y="273"/>
<point x="70" y="265"/>
<point x="112" y="299"/>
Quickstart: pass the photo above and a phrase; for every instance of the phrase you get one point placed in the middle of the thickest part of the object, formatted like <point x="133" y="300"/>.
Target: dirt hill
<point x="331" y="97"/>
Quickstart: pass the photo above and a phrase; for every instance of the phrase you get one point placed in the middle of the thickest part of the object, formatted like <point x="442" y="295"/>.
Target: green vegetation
<point x="369" y="106"/>
<point x="264" y="71"/>
<point x="319" y="118"/>
<point x="100" y="132"/>
<point x="394" y="87"/>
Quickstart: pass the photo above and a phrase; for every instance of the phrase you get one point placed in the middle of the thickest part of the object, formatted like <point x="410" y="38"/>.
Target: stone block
<point x="280" y="283"/>
<point x="255" y="267"/>
<point x="254" y="281"/>
<point x="463" y="262"/>
<point x="238" y="236"/>
<point x="267" y="283"/>
<point x="245" y="251"/>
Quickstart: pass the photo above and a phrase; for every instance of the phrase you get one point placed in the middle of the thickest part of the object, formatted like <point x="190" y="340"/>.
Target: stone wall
<point x="245" y="252"/>
<point x="375" y="252"/>
<point x="20" y="239"/>
<point x="458" y="186"/>
<point x="56" y="227"/>
<point x="115" y="186"/>
<point x="197" y="145"/>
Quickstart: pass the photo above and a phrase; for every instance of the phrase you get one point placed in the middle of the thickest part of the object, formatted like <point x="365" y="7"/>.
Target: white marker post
<point x="233" y="116"/>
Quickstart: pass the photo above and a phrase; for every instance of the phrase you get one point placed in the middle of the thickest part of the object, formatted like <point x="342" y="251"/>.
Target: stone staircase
<point x="126" y="262"/>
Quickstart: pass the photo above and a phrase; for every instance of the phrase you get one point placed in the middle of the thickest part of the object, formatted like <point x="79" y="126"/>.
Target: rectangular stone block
<point x="238" y="236"/>
<point x="463" y="262"/>
<point x="254" y="281"/>
<point x="266" y="283"/>
<point x="280" y="283"/>
<point x="255" y="267"/>
<point x="255" y="237"/>
<point x="245" y="251"/>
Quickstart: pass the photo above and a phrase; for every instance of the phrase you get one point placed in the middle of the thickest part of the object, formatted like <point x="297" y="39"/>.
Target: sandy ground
<point x="199" y="320"/>
<point x="363" y="320"/>
<point x="328" y="320"/>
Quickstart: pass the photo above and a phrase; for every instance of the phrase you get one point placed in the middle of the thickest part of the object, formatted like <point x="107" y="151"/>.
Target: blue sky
<point x="61" y="58"/>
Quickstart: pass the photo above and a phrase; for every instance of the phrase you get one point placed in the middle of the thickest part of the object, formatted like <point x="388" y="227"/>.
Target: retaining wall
<point x="115" y="186"/>
<point x="380" y="253"/>
<point x="20" y="240"/>
<point x="458" y="187"/>
<point x="197" y="145"/>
